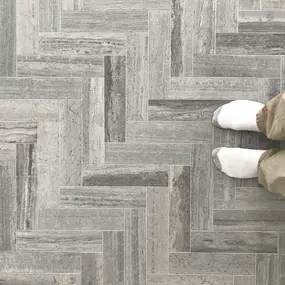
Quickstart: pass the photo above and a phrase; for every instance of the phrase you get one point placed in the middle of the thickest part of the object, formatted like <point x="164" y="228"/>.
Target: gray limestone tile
<point x="223" y="185"/>
<point x="93" y="107"/>
<point x="92" y="269"/>
<point x="189" y="279"/>
<point x="179" y="209"/>
<point x="85" y="44"/>
<point x="37" y="278"/>
<point x="282" y="270"/>
<point x="217" y="88"/>
<point x="182" y="110"/>
<point x="114" y="258"/>
<point x="47" y="164"/>
<point x="224" y="65"/>
<point x="26" y="171"/>
<point x="135" y="246"/>
<point x="250" y="44"/>
<point x="50" y="15"/>
<point x="68" y="241"/>
<point x="234" y="242"/>
<point x="272" y="5"/>
<point x="244" y="280"/>
<point x="201" y="188"/>
<point x="72" y="5"/>
<point x="282" y="243"/>
<point x="268" y="88"/>
<point x="204" y="27"/>
<point x="267" y="269"/>
<point x="18" y="132"/>
<point x="115" y="98"/>
<point x="70" y="142"/>
<point x="282" y="84"/>
<point x="258" y="198"/>
<point x="169" y="132"/>
<point x="81" y="219"/>
<point x="27" y="27"/>
<point x="137" y="75"/>
<point x="212" y="263"/>
<point x="39" y="262"/>
<point x="249" y="5"/>
<point x="181" y="38"/>
<point x="111" y="20"/>
<point x="126" y="175"/>
<point x="103" y="197"/>
<point x="27" y="110"/>
<point x="148" y="153"/>
<point x="261" y="21"/>
<point x="159" y="54"/>
<point x="226" y="13"/>
<point x="157" y="230"/>
<point x="8" y="38"/>
<point x="8" y="197"/>
<point x="40" y="88"/>
<point x="249" y="220"/>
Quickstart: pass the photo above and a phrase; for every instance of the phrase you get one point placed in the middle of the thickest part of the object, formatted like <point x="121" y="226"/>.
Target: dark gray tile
<point x="234" y="242"/>
<point x="244" y="280"/>
<point x="224" y="65"/>
<point x="113" y="259"/>
<point x="212" y="263"/>
<point x="249" y="5"/>
<point x="126" y="175"/>
<point x="115" y="98"/>
<point x="226" y="16"/>
<point x="179" y="211"/>
<point x="267" y="269"/>
<point x="49" y="16"/>
<point x="268" y="88"/>
<point x="92" y="269"/>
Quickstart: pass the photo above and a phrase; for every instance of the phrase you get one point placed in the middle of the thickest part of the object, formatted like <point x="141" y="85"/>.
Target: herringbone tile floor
<point x="106" y="137"/>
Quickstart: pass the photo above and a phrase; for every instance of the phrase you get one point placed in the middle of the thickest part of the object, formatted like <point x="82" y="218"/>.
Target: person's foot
<point x="237" y="162"/>
<point x="238" y="115"/>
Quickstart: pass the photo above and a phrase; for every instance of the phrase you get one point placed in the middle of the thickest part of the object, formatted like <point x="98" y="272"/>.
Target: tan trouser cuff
<point x="261" y="118"/>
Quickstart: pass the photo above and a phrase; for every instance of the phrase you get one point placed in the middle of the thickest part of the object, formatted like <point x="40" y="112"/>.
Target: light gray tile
<point x="92" y="269"/>
<point x="103" y="197"/>
<point x="157" y="230"/>
<point x="244" y="280"/>
<point x="81" y="219"/>
<point x="282" y="243"/>
<point x="50" y="15"/>
<point x="113" y="259"/>
<point x="268" y="88"/>
<point x="266" y="269"/>
<point x="159" y="54"/>
<point x="179" y="210"/>
<point x="68" y="241"/>
<point x="282" y="269"/>
<point x="212" y="263"/>
<point x="249" y="5"/>
<point x="226" y="14"/>
<point x="272" y="5"/>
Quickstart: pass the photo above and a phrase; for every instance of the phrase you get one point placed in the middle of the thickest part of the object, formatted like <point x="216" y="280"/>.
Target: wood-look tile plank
<point x="137" y="77"/>
<point x="50" y="15"/>
<point x="234" y="242"/>
<point x="159" y="54"/>
<point x="157" y="230"/>
<point x="282" y="243"/>
<point x="26" y="186"/>
<point x="249" y="220"/>
<point x="103" y="197"/>
<point x="272" y="5"/>
<point x="282" y="269"/>
<point x="179" y="209"/>
<point x="70" y="142"/>
<point x="267" y="269"/>
<point x="201" y="189"/>
<point x="68" y="241"/>
<point x="126" y="175"/>
<point x="212" y="263"/>
<point x="147" y="153"/>
<point x="169" y="132"/>
<point x="93" y="107"/>
<point x="18" y="132"/>
<point x="92" y="269"/>
<point x="135" y="246"/>
<point x="244" y="280"/>
<point x="224" y="65"/>
<point x="81" y="219"/>
<point x="111" y="20"/>
<point x="226" y="13"/>
<point x="249" y="5"/>
<point x="268" y="88"/>
<point x="115" y="98"/>
<point x="8" y="38"/>
<point x="181" y="38"/>
<point x="282" y="76"/>
<point x="72" y="5"/>
<point x="113" y="259"/>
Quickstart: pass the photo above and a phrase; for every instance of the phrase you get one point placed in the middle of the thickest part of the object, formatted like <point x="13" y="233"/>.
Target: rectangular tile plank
<point x="50" y="15"/>
<point x="72" y="5"/>
<point x="244" y="280"/>
<point x="282" y="243"/>
<point x="169" y="132"/>
<point x="159" y="54"/>
<point x="282" y="269"/>
<point x="268" y="88"/>
<point x="272" y="5"/>
<point x="226" y="13"/>
<point x="68" y="241"/>
<point x="103" y="197"/>
<point x="115" y="98"/>
<point x="179" y="209"/>
<point x="267" y="269"/>
<point x="212" y="263"/>
<point x="157" y="230"/>
<point x="81" y="219"/>
<point x="249" y="5"/>
<point x="92" y="269"/>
